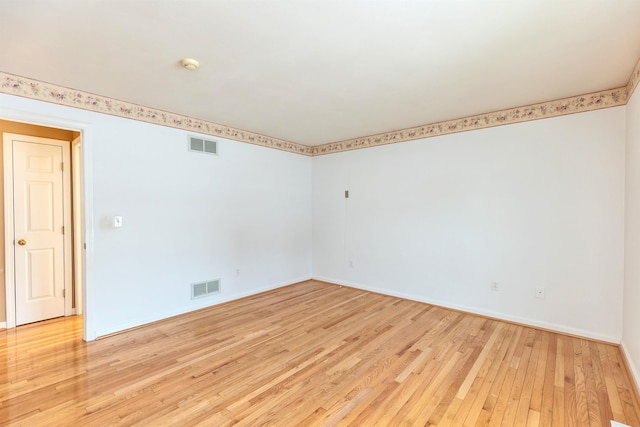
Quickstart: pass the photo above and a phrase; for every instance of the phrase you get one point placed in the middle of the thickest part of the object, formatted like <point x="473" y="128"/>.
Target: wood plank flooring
<point x="312" y="354"/>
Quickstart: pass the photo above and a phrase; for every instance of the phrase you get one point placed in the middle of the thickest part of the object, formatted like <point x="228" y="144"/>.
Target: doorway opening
<point x="43" y="231"/>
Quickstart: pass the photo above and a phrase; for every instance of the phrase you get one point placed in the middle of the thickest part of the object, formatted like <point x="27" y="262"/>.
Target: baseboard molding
<point x="633" y="371"/>
<point x="480" y="311"/>
<point x="3" y="325"/>
<point x="104" y="332"/>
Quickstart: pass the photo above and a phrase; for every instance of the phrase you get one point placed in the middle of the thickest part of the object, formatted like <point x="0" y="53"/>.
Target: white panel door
<point x="38" y="201"/>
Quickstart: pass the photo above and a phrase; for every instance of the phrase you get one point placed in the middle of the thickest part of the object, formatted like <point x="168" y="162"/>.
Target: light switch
<point x="117" y="221"/>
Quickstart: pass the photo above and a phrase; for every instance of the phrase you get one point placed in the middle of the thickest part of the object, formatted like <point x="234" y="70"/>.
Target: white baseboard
<point x="183" y="310"/>
<point x="480" y="311"/>
<point x="3" y="325"/>
<point x="635" y="375"/>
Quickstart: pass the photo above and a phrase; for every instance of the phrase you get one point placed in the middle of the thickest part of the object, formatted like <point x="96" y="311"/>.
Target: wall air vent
<point x="203" y="289"/>
<point x="203" y="145"/>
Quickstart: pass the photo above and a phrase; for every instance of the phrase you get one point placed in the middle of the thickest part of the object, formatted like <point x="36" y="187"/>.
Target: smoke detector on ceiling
<point x="190" y="64"/>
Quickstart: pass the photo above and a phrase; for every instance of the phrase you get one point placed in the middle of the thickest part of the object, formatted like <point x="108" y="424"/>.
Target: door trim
<point x="78" y="238"/>
<point x="87" y="135"/>
<point x="9" y="223"/>
<point x="9" y="280"/>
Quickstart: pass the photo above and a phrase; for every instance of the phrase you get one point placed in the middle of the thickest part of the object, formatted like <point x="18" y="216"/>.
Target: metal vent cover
<point x="203" y="145"/>
<point x="203" y="289"/>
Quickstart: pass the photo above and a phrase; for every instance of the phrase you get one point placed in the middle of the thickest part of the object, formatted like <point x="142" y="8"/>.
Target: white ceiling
<point x="322" y="71"/>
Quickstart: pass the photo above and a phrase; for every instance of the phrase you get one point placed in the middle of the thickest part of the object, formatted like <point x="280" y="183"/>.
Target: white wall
<point x="187" y="217"/>
<point x="438" y="220"/>
<point x="631" y="330"/>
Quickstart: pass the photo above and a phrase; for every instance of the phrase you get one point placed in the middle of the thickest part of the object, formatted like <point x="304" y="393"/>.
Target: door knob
<point x="22" y="242"/>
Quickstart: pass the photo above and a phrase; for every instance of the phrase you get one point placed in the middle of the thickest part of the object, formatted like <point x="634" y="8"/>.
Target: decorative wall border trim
<point x="41" y="91"/>
<point x="543" y="110"/>
<point x="633" y="80"/>
<point x="34" y="89"/>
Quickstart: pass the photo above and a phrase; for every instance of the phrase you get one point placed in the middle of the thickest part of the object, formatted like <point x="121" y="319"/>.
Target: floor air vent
<point x="203" y="289"/>
<point x="203" y="145"/>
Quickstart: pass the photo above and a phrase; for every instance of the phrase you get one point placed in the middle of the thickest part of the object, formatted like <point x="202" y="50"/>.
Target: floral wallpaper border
<point x="34" y="89"/>
<point x="633" y="80"/>
<point x="561" y="107"/>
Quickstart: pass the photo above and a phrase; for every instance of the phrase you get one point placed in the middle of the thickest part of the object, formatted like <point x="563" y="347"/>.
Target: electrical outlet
<point x="540" y="292"/>
<point x="350" y="263"/>
<point x="237" y="271"/>
<point x="495" y="287"/>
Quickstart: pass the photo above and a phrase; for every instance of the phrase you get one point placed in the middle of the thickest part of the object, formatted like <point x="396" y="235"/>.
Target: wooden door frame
<point x="78" y="237"/>
<point x="9" y="230"/>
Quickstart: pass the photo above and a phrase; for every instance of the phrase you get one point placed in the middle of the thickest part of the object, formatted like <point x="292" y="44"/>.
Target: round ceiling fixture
<point x="190" y="64"/>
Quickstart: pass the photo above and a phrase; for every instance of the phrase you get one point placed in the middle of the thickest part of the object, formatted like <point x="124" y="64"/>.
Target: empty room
<point x="337" y="213"/>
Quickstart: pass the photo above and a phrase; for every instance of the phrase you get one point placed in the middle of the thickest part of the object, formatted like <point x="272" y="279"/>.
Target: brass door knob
<point x="22" y="242"/>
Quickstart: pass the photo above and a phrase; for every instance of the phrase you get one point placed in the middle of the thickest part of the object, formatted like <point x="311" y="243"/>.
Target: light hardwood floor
<point x="312" y="354"/>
